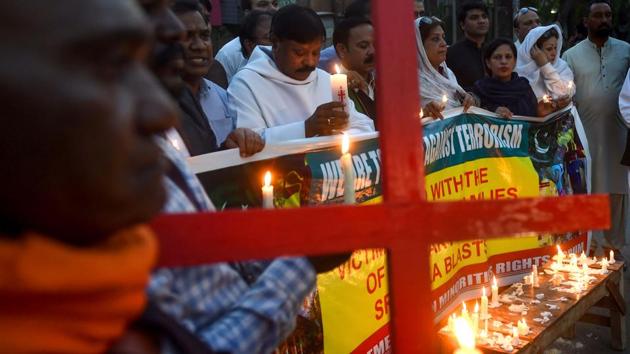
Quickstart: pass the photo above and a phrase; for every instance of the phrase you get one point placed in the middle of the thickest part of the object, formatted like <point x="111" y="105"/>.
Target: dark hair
<point x="427" y="24"/>
<point x="297" y="23"/>
<point x="492" y="47"/>
<point x="343" y="28"/>
<point x="358" y="8"/>
<point x="246" y="5"/>
<point x="183" y="6"/>
<point x="250" y="23"/>
<point x="545" y="36"/>
<point x="471" y="5"/>
<point x="207" y="4"/>
<point x="587" y="9"/>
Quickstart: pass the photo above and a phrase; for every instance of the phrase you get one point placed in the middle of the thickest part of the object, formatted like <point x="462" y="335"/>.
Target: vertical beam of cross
<point x="397" y="111"/>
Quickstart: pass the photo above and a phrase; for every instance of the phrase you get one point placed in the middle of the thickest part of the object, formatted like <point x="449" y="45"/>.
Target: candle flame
<point x="515" y="332"/>
<point x="559" y="250"/>
<point x="345" y="143"/>
<point x="420" y="113"/>
<point x="494" y="280"/>
<point x="464" y="334"/>
<point x="175" y="144"/>
<point x="483" y="291"/>
<point x="570" y="85"/>
<point x="546" y="99"/>
<point x="267" y="179"/>
<point x="444" y="98"/>
<point x="476" y="306"/>
<point x="337" y="69"/>
<point x="464" y="310"/>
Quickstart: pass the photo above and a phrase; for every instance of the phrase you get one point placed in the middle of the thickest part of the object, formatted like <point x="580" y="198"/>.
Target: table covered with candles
<point x="532" y="314"/>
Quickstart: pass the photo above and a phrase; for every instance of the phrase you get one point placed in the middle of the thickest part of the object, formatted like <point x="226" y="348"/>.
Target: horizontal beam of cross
<point x="189" y="239"/>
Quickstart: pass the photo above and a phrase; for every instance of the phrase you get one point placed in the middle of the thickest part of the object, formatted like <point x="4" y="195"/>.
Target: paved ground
<point x="590" y="338"/>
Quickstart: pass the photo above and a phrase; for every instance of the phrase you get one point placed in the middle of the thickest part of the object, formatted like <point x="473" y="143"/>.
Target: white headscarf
<point x="433" y="84"/>
<point x="527" y="67"/>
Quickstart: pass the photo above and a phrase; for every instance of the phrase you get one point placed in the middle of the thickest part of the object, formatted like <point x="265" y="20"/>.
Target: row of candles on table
<point x="346" y="168"/>
<point x="466" y="326"/>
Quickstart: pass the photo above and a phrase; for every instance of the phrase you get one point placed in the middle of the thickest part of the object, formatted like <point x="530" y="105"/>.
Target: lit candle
<point x="604" y="265"/>
<point x="535" y="282"/>
<point x="515" y="338"/>
<point x="348" y="170"/>
<point x="570" y="85"/>
<point x="465" y="311"/>
<point x="420" y="114"/>
<point x="451" y="323"/>
<point x="611" y="257"/>
<point x="267" y="192"/>
<point x="484" y="304"/>
<point x="339" y="87"/>
<point x="560" y="253"/>
<point x="583" y="258"/>
<point x="523" y="328"/>
<point x="475" y="319"/>
<point x="546" y="99"/>
<point x="444" y="100"/>
<point x="465" y="337"/>
<point x="495" y="292"/>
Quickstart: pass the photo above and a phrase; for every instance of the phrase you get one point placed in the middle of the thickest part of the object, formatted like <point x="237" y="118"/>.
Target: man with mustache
<point x="281" y="94"/>
<point x="600" y="64"/>
<point x="354" y="42"/>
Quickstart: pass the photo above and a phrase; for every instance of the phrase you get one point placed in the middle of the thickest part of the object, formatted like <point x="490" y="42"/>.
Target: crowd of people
<point x="128" y="90"/>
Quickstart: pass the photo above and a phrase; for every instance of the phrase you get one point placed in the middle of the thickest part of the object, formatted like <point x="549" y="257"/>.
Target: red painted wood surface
<point x="403" y="223"/>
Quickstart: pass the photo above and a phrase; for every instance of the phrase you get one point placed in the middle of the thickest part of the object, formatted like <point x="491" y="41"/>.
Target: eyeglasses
<point x="524" y="10"/>
<point x="428" y="20"/>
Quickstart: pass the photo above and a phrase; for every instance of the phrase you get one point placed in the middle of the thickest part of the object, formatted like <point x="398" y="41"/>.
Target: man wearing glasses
<point x="525" y="19"/>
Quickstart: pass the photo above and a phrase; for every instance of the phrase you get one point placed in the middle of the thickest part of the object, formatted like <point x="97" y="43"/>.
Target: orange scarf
<point x="55" y="298"/>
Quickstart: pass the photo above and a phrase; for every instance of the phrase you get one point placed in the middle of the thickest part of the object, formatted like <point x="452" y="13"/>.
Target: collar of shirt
<point x="370" y="81"/>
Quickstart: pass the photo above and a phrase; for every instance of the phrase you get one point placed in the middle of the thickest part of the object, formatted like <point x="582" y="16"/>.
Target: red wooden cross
<point x="404" y="223"/>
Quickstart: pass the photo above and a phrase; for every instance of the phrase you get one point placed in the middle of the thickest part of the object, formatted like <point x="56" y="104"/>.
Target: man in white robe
<point x="281" y="94"/>
<point x="599" y="64"/>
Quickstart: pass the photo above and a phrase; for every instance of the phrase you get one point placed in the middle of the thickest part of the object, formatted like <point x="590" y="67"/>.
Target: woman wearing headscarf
<point x="539" y="62"/>
<point x="503" y="91"/>
<point x="439" y="89"/>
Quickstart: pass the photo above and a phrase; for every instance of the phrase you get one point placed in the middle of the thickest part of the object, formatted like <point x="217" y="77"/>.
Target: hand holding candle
<point x="267" y="191"/>
<point x="348" y="171"/>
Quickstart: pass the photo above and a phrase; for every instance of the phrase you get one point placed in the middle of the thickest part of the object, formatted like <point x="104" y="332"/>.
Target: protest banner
<point x="468" y="156"/>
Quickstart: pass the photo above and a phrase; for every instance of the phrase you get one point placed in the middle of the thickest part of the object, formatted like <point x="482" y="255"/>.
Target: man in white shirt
<point x="231" y="55"/>
<point x="281" y="94"/>
<point x="624" y="108"/>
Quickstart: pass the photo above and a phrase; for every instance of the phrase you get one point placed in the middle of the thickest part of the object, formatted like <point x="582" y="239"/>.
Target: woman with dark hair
<point x="503" y="91"/>
<point x="435" y="78"/>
